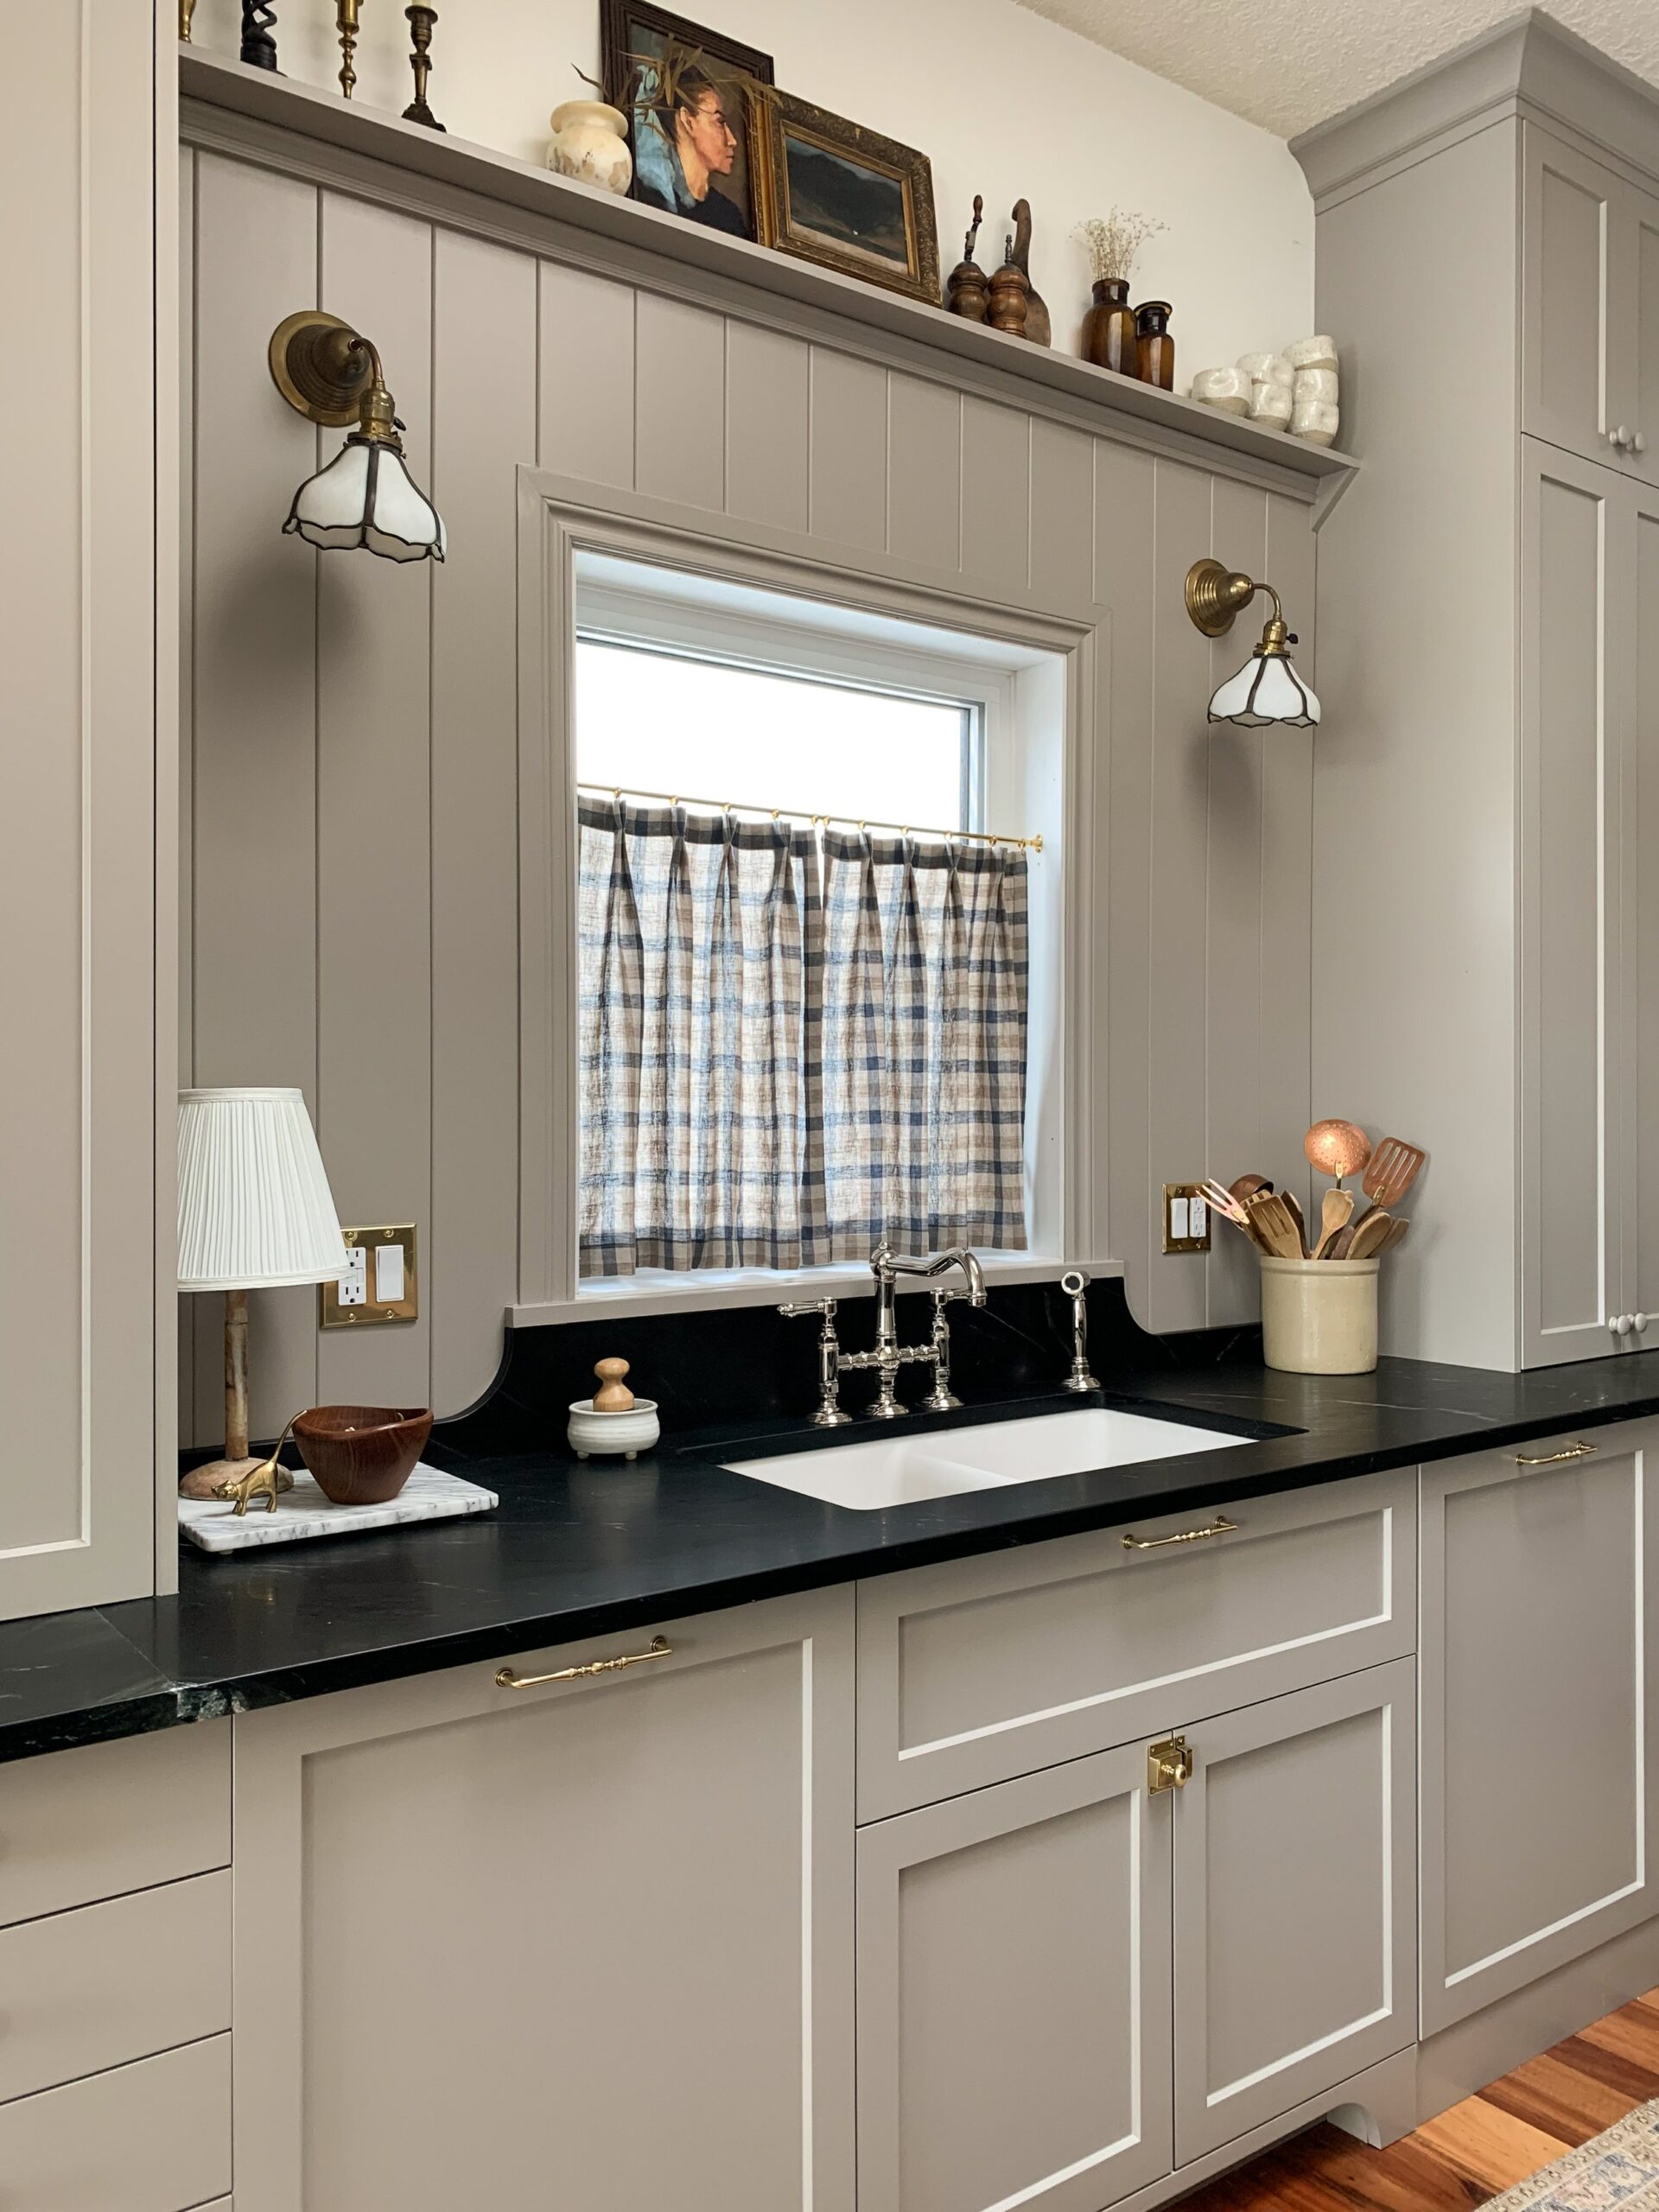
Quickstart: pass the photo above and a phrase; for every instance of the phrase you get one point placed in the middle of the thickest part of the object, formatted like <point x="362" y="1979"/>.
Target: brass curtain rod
<point x="795" y="814"/>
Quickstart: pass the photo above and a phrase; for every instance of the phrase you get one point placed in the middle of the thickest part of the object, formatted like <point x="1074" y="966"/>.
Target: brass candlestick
<point x="420" y="20"/>
<point x="186" y="9"/>
<point x="346" y="23"/>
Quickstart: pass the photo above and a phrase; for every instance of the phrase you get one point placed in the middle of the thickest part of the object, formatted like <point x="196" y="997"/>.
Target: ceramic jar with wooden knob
<point x="613" y="1420"/>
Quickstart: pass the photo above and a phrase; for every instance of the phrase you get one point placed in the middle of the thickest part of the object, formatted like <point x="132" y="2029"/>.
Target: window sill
<point x="620" y="1296"/>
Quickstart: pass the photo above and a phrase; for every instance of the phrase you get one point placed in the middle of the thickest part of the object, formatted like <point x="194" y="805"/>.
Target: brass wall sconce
<point x="365" y="496"/>
<point x="1267" y="689"/>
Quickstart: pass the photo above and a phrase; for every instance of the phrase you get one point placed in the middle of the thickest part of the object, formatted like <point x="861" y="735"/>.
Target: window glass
<point x="649" y="720"/>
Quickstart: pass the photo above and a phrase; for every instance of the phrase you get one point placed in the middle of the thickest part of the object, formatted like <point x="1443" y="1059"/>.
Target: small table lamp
<point x="254" y="1213"/>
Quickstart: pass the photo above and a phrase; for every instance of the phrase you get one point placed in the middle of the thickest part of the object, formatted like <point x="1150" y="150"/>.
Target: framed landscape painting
<point x="832" y="192"/>
<point x="686" y="92"/>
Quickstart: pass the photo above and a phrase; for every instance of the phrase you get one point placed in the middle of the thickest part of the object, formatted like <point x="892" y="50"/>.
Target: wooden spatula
<point x="1391" y="1171"/>
<point x="1275" y="1225"/>
<point x="1335" y="1214"/>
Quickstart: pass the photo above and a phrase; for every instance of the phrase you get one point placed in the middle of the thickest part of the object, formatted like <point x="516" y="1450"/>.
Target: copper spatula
<point x="1391" y="1171"/>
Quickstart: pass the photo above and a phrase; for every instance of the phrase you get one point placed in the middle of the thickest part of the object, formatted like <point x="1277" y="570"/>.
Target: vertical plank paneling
<point x="1287" y="878"/>
<point x="768" y="375"/>
<point x="924" y="472"/>
<point x="1062" y="511"/>
<point x="1179" y="837"/>
<point x="995" y="494"/>
<point x="472" y="1252"/>
<point x="374" y="1051"/>
<point x="680" y="403"/>
<point x="585" y="416"/>
<point x="1124" y="490"/>
<point x="253" y="846"/>
<point x="1234" y="981"/>
<point x="849" y="450"/>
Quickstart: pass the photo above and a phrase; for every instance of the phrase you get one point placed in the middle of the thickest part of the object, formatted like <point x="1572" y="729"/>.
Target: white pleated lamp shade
<point x="255" y="1209"/>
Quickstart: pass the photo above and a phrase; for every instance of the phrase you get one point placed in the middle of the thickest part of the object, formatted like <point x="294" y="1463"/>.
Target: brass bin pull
<point x="660" y="1649"/>
<point x="1221" y="1526"/>
<point x="1553" y="1458"/>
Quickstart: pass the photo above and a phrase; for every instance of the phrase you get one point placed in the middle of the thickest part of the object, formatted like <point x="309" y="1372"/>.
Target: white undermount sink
<point x="907" y="1470"/>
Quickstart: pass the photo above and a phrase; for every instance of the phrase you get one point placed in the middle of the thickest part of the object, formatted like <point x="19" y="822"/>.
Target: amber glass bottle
<point x="1155" y="348"/>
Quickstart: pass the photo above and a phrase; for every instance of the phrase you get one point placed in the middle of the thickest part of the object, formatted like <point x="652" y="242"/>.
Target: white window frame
<point x="1033" y="674"/>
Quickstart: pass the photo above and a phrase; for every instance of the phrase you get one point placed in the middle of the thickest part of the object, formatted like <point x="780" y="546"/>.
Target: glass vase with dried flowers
<point x="1112" y="243"/>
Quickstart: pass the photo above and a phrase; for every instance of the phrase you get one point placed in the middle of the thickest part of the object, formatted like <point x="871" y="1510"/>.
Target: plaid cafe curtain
<point x="792" y="1042"/>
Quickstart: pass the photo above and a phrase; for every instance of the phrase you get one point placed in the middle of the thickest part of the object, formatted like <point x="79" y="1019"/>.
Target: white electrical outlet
<point x="354" y="1283"/>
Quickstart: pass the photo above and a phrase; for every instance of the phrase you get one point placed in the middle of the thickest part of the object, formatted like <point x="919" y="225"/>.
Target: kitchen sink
<point x="908" y="1470"/>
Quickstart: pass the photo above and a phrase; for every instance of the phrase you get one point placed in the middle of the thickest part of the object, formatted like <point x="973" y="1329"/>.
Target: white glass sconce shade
<point x="1266" y="689"/>
<point x="366" y="497"/>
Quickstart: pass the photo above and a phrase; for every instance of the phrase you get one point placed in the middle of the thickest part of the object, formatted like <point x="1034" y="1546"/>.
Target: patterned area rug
<point x="1618" y="2168"/>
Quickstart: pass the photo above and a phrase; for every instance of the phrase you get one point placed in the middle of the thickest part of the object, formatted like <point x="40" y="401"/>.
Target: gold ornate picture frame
<point x="832" y="191"/>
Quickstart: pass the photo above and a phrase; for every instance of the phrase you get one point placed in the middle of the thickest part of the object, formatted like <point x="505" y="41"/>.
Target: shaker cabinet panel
<point x="1013" y="1995"/>
<point x="1641" y="230"/>
<point x="1642" y="927"/>
<point x="1295" y="1892"/>
<point x="586" y="1944"/>
<point x="1538" y="1792"/>
<point x="1575" y="339"/>
<point x="1575" y="709"/>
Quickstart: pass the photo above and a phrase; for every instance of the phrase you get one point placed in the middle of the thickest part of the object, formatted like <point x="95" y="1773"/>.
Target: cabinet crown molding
<point x="1529" y="64"/>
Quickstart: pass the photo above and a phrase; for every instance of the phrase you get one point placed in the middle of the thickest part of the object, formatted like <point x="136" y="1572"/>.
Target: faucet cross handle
<point x="829" y="1414"/>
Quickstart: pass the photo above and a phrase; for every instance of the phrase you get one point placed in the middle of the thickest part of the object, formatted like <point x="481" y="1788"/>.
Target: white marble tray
<point x="304" y="1512"/>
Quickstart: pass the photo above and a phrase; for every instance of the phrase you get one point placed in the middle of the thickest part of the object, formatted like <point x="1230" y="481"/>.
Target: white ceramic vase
<point x="590" y="142"/>
<point x="636" y="1429"/>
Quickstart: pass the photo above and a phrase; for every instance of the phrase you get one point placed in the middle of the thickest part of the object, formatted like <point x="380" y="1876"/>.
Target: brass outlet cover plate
<point x="1182" y="1195"/>
<point x="374" y="1312"/>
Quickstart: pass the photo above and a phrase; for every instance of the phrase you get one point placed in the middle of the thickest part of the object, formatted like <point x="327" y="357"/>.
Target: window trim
<point x="561" y="518"/>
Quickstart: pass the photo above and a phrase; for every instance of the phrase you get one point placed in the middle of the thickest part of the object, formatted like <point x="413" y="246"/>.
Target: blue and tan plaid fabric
<point x="790" y="1044"/>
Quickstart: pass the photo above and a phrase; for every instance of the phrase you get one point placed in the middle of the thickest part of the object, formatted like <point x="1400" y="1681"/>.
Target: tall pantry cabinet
<point x="1486" y="792"/>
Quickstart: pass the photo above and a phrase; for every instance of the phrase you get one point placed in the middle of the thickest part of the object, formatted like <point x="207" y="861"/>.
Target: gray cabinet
<point x="587" y="1944"/>
<point x="1538" y="1795"/>
<point x="1295" y="1895"/>
<point x="1576" y="341"/>
<point x="1013" y="1994"/>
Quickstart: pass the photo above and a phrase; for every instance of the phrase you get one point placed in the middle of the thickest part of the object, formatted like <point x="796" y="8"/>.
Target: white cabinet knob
<point x="1638" y="443"/>
<point x="1613" y="1329"/>
<point x="1638" y="1322"/>
<point x="1615" y="437"/>
<point x="1620" y="1324"/>
<point x="1621" y="435"/>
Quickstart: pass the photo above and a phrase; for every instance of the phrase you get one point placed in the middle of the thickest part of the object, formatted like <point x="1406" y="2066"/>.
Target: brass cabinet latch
<point x="1170" y="1765"/>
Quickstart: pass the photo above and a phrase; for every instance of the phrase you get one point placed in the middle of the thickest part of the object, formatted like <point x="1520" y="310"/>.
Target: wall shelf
<point x="230" y="107"/>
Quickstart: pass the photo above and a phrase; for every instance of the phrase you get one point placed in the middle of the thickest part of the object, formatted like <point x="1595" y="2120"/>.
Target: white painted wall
<point x="1002" y="102"/>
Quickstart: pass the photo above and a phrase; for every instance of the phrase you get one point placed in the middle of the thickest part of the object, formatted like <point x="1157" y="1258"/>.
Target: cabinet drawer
<point x="985" y="1668"/>
<point x="79" y="1825"/>
<point x="84" y="1991"/>
<point x="150" y="2137"/>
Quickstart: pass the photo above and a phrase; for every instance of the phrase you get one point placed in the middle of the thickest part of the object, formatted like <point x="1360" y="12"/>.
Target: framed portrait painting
<point x="687" y="95"/>
<point x="832" y="192"/>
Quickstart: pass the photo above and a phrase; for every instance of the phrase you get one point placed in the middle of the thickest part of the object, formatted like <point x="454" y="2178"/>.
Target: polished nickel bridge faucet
<point x="887" y="1356"/>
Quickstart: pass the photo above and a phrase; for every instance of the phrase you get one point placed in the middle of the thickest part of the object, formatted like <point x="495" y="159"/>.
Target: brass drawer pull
<point x="1221" y="1526"/>
<point x="1553" y="1458"/>
<point x="660" y="1649"/>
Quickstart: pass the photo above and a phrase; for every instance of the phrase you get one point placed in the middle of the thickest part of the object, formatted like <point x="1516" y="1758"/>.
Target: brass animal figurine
<point x="263" y="1481"/>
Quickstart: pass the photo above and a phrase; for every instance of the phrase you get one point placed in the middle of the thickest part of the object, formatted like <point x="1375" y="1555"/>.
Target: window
<point x="803" y="992"/>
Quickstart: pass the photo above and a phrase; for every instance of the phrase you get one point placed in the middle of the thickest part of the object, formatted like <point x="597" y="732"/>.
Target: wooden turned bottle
<point x="967" y="290"/>
<point x="1007" y="308"/>
<point x="613" y="1395"/>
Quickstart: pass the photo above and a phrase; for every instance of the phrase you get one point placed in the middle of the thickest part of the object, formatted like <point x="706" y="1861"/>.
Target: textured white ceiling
<point x="1289" y="64"/>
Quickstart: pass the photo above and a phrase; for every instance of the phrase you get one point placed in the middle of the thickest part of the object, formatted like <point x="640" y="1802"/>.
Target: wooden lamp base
<point x="208" y="1481"/>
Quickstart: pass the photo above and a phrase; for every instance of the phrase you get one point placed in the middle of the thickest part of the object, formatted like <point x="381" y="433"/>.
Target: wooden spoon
<point x="1293" y="1207"/>
<point x="1335" y="1214"/>
<point x="1372" y="1235"/>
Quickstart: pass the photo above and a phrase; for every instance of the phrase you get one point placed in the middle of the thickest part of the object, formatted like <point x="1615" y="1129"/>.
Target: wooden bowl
<point x="361" y="1455"/>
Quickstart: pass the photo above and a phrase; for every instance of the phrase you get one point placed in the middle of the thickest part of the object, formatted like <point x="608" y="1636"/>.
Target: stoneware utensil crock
<point x="361" y="1455"/>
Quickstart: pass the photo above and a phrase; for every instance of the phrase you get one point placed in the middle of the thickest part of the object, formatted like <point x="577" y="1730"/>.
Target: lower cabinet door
<point x="1541" y="1729"/>
<point x="1295" y="1902"/>
<point x="1013" y="1995"/>
<point x="584" y="1945"/>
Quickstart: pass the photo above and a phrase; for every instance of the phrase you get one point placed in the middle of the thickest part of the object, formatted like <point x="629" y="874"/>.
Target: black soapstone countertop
<point x="579" y="1550"/>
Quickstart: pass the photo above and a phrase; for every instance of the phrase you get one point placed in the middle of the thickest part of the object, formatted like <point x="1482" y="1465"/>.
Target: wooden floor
<point x="1475" y="2151"/>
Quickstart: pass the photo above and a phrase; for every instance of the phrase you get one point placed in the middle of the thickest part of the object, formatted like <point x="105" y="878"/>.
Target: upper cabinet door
<point x="1641" y="227"/>
<point x="1014" y="1972"/>
<point x="1575" y="312"/>
<point x="1295" y="1902"/>
<point x="1575" y="713"/>
<point x="1641" y="863"/>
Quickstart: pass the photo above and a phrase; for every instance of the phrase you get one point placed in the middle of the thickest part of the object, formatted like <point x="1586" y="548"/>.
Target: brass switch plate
<point x="373" y="1312"/>
<point x="1179" y="1199"/>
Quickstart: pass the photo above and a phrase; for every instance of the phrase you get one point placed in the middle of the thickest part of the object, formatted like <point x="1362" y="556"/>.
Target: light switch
<point x="380" y="1283"/>
<point x="388" y="1274"/>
